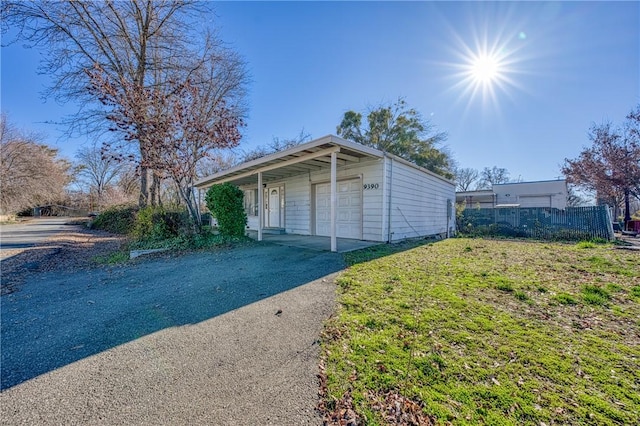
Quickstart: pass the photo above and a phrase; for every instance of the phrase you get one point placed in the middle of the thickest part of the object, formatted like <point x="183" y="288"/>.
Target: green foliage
<point x="424" y="322"/>
<point x="154" y="228"/>
<point x="565" y="299"/>
<point x="112" y="258"/>
<point x="591" y="243"/>
<point x="225" y="201"/>
<point x="594" y="295"/>
<point x="521" y="295"/>
<point x="532" y="222"/>
<point x="205" y="239"/>
<point x="154" y="223"/>
<point x="399" y="130"/>
<point x="504" y="285"/>
<point x="586" y="245"/>
<point x="116" y="219"/>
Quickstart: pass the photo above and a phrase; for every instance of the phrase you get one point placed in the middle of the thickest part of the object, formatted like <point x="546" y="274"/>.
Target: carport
<point x="329" y="152"/>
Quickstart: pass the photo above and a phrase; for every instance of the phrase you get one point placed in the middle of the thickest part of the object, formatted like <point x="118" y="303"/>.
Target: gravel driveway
<point x="225" y="337"/>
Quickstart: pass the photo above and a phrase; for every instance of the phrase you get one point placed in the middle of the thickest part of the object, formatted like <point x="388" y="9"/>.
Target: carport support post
<point x="260" y="207"/>
<point x="334" y="200"/>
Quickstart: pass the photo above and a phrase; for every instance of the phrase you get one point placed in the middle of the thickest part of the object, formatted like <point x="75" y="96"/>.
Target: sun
<point x="485" y="69"/>
<point x="485" y="73"/>
<point x="487" y="63"/>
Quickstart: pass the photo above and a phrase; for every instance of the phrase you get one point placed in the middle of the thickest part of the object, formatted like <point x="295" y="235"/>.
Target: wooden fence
<point x="573" y="223"/>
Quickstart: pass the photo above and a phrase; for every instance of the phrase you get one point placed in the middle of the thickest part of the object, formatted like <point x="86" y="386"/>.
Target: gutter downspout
<point x="334" y="200"/>
<point x="389" y="233"/>
<point x="260" y="206"/>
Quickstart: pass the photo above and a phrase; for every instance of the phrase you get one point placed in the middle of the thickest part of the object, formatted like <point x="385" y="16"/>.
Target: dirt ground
<point x="68" y="251"/>
<point x="630" y="243"/>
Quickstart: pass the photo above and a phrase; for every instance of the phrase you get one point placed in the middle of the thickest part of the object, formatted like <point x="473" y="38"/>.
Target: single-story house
<point x="547" y="193"/>
<point x="341" y="189"/>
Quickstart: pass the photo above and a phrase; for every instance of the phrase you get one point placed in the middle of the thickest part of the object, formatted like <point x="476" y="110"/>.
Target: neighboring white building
<point x="547" y="193"/>
<point x="337" y="188"/>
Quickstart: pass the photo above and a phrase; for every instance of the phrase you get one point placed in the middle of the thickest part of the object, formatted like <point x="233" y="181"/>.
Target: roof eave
<point x="329" y="139"/>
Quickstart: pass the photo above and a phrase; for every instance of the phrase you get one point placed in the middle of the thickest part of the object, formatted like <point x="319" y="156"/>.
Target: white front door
<point x="274" y="208"/>
<point x="349" y="209"/>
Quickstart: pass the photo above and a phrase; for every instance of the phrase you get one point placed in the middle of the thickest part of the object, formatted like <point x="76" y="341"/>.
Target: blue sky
<point x="561" y="66"/>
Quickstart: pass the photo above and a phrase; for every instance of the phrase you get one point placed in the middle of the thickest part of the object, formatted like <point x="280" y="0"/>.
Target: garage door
<point x="349" y="214"/>
<point x="534" y="201"/>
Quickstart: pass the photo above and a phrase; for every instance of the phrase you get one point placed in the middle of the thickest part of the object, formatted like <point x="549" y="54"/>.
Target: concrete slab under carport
<point x="314" y="242"/>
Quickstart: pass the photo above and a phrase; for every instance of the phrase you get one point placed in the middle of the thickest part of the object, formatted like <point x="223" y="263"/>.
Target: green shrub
<point x="117" y="219"/>
<point x="225" y="202"/>
<point x="154" y="223"/>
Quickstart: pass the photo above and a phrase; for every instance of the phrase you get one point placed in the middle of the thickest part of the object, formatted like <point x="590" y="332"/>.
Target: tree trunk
<point x="143" y="201"/>
<point x="192" y="206"/>
<point x="154" y="193"/>
<point x="627" y="208"/>
<point x="157" y="182"/>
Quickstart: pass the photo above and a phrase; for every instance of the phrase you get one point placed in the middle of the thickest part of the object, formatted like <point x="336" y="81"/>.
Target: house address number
<point x="370" y="186"/>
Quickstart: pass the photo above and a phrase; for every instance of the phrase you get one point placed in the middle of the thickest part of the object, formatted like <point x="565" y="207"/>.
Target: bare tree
<point x="215" y="162"/>
<point x="97" y="171"/>
<point x="184" y="121"/>
<point x="574" y="198"/>
<point x="611" y="166"/>
<point x="493" y="176"/>
<point x="127" y="183"/>
<point x="276" y="145"/>
<point x="142" y="44"/>
<point x="466" y="178"/>
<point x="282" y="144"/>
<point x="30" y="172"/>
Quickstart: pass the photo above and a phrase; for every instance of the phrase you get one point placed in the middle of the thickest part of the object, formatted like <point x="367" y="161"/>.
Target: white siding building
<point x="340" y="189"/>
<point x="546" y="193"/>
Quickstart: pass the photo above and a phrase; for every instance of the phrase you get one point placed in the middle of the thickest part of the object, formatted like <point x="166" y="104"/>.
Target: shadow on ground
<point x="57" y="319"/>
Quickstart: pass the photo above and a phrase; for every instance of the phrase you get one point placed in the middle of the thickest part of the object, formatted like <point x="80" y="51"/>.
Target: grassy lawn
<point x="472" y="331"/>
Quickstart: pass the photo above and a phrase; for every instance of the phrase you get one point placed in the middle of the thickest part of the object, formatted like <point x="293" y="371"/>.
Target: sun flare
<point x="485" y="73"/>
<point x="485" y="69"/>
<point x="488" y="61"/>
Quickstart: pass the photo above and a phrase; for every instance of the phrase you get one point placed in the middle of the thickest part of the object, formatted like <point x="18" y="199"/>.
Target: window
<point x="251" y="202"/>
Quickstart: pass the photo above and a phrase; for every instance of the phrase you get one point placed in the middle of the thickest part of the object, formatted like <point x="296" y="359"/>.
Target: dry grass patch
<point x="488" y="332"/>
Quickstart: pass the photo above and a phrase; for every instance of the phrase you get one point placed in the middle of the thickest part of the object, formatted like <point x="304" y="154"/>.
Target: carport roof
<point x="314" y="155"/>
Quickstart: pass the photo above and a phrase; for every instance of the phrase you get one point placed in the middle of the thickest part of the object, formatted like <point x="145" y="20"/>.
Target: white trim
<point x="422" y="169"/>
<point x="389" y="202"/>
<point x="329" y="139"/>
<point x="338" y="179"/>
<point x="260" y="206"/>
<point x="530" y="181"/>
<point x="334" y="200"/>
<point x="300" y="159"/>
